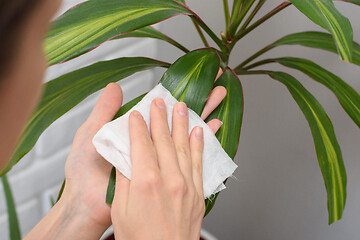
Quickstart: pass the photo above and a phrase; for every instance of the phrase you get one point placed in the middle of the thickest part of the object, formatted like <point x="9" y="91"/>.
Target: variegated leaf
<point x="93" y="22"/>
<point x="326" y="145"/>
<point x="324" y="13"/>
<point x="347" y="96"/>
<point x="230" y="112"/>
<point x="65" y="92"/>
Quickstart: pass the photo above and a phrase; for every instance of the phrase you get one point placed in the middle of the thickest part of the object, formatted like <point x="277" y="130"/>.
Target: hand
<point x="164" y="199"/>
<point x="87" y="173"/>
<point x="82" y="212"/>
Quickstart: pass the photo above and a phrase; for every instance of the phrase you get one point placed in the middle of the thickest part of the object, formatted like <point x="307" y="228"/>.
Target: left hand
<point x="87" y="173"/>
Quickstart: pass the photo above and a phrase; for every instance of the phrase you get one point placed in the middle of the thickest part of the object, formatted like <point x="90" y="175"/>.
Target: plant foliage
<point x="191" y="77"/>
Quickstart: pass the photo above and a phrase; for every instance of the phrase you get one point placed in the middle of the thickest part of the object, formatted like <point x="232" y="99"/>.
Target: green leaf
<point x="324" y="13"/>
<point x="326" y="145"/>
<point x="150" y="32"/>
<point x="93" y="22"/>
<point x="14" y="227"/>
<point x="347" y="96"/>
<point x="230" y="112"/>
<point x="65" y="92"/>
<point x="111" y="187"/>
<point x="357" y="2"/>
<point x="318" y="40"/>
<point x="191" y="77"/>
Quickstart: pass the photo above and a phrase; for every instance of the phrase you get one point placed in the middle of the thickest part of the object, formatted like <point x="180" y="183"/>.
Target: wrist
<point x="67" y="220"/>
<point x="82" y="214"/>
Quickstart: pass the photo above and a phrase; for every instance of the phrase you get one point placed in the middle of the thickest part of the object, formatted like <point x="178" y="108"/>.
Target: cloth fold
<point x="113" y="142"/>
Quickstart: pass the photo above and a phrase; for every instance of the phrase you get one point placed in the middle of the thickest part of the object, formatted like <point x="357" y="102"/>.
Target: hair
<point x="13" y="14"/>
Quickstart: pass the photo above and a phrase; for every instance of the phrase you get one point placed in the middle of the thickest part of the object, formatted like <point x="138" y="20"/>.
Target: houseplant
<point x="90" y="24"/>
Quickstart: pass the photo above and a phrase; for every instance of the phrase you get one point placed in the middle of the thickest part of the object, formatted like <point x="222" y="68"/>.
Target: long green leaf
<point x="357" y="2"/>
<point x="318" y="40"/>
<point x="14" y="227"/>
<point x="347" y="96"/>
<point x="190" y="80"/>
<point x="93" y="22"/>
<point x="326" y="145"/>
<point x="230" y="112"/>
<point x="324" y="13"/>
<point x="150" y="32"/>
<point x="65" y="92"/>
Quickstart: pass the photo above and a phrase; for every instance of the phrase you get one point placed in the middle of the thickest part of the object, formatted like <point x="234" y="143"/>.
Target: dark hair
<point x="13" y="13"/>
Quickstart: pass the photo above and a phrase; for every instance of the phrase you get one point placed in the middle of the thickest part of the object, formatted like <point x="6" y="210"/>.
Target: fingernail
<point x="182" y="109"/>
<point x="199" y="133"/>
<point x="137" y="115"/>
<point x="160" y="103"/>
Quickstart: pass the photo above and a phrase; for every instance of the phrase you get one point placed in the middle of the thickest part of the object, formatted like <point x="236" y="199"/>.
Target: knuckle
<point x="151" y="179"/>
<point x="183" y="151"/>
<point x="178" y="187"/>
<point x="143" y="140"/>
<point x="165" y="139"/>
<point x="197" y="166"/>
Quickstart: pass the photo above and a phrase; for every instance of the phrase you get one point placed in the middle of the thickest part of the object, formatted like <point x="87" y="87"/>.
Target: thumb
<point x="107" y="106"/>
<point x="122" y="187"/>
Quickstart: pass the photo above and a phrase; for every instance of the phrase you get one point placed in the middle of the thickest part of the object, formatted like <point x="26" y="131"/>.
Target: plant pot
<point x="205" y="235"/>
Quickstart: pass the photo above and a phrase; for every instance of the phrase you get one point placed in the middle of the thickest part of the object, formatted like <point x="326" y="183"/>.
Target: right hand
<point x="164" y="199"/>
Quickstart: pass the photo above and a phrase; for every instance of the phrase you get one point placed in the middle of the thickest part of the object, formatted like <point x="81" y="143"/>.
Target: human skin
<point x="81" y="212"/>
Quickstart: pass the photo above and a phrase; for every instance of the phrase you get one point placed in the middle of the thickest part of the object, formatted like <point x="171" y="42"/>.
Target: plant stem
<point x="260" y="52"/>
<point x="235" y="23"/>
<point x="252" y="15"/>
<point x="256" y="72"/>
<point x="226" y="13"/>
<point x="236" y="9"/>
<point x="276" y="10"/>
<point x="201" y="34"/>
<point x="209" y="32"/>
<point x="259" y="63"/>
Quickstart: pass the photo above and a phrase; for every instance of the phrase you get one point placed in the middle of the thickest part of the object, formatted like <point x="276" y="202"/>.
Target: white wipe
<point x="113" y="143"/>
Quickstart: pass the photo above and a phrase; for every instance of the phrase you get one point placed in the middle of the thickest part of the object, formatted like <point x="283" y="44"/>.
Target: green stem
<point x="252" y="15"/>
<point x="276" y="10"/>
<point x="180" y="46"/>
<point x="256" y="72"/>
<point x="259" y="63"/>
<point x="226" y="13"/>
<point x="201" y="34"/>
<point x="235" y="10"/>
<point x="210" y="32"/>
<point x="235" y="24"/>
<point x="257" y="54"/>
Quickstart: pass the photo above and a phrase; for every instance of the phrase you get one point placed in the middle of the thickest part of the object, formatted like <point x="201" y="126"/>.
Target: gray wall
<point x="280" y="193"/>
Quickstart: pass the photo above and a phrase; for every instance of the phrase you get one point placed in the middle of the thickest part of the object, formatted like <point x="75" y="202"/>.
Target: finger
<point x="215" y="98"/>
<point x="122" y="187"/>
<point x="214" y="125"/>
<point x="180" y="135"/>
<point x="196" y="147"/>
<point x="161" y="137"/>
<point x="107" y="106"/>
<point x="142" y="152"/>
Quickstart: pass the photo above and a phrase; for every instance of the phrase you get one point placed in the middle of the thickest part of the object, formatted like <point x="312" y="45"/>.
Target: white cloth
<point x="113" y="142"/>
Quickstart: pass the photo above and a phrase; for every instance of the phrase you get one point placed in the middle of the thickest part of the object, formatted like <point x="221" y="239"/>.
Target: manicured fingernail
<point x="182" y="109"/>
<point x="199" y="132"/>
<point x="160" y="103"/>
<point x="137" y="115"/>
